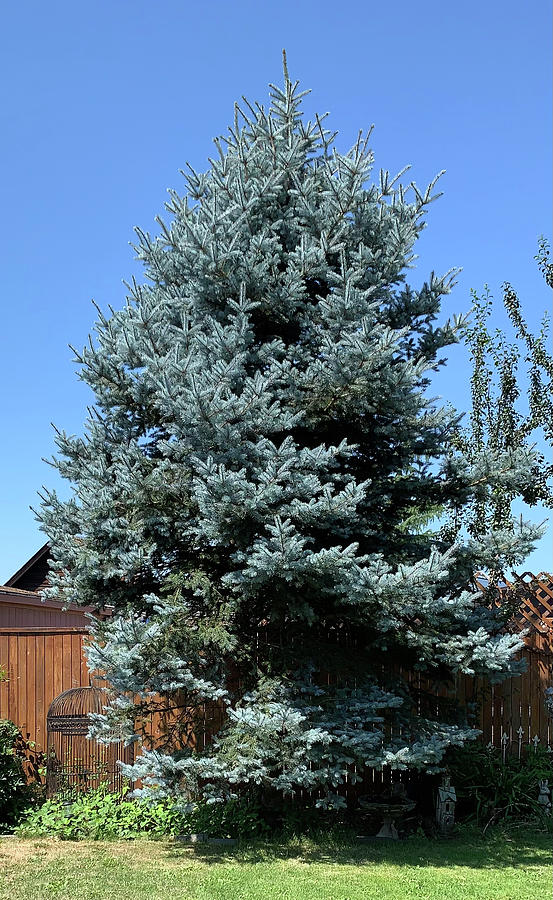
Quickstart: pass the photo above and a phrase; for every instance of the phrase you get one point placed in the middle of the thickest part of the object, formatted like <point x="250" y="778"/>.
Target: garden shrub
<point x="15" y="793"/>
<point x="242" y="818"/>
<point x="99" y="814"/>
<point x="491" y="789"/>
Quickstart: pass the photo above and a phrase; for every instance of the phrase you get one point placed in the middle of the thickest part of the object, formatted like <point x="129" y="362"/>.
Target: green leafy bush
<point x="100" y="815"/>
<point x="492" y="790"/>
<point x="235" y="818"/>
<point x="15" y="793"/>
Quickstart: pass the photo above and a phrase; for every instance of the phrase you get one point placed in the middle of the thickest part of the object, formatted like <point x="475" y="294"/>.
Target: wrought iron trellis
<point x="75" y="762"/>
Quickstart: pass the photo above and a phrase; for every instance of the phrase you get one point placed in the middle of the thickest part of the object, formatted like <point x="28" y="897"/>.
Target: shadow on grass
<point x="472" y="851"/>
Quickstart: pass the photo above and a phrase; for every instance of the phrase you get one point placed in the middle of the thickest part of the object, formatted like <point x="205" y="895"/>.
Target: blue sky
<point x="103" y="102"/>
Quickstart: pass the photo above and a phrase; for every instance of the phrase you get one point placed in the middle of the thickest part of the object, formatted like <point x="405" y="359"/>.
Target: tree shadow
<point x="474" y="852"/>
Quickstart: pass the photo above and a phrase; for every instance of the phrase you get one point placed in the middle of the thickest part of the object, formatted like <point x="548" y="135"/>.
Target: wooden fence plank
<point x="5" y="665"/>
<point x="66" y="662"/>
<point x="21" y="689"/>
<point x="485" y="697"/>
<point x="526" y="699"/>
<point x="40" y="697"/>
<point x="57" y="667"/>
<point x="532" y="711"/>
<point x="545" y="680"/>
<point x="76" y="654"/>
<point x="84" y="674"/>
<point x="49" y="689"/>
<point x="30" y="683"/>
<point x="515" y="713"/>
<point x="12" y="679"/>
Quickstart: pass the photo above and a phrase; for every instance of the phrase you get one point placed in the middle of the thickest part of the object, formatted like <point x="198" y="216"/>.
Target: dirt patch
<point x="14" y="850"/>
<point x="17" y="851"/>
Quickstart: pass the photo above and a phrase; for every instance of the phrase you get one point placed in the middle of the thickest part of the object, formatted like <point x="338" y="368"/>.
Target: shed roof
<point x="34" y="573"/>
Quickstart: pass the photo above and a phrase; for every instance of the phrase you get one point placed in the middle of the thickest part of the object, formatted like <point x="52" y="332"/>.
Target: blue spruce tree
<point x="255" y="491"/>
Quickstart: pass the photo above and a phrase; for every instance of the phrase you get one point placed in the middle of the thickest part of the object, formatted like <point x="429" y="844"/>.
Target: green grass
<point x="502" y="867"/>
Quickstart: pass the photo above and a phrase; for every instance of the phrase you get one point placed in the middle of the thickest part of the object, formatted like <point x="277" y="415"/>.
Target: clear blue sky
<point x="103" y="102"/>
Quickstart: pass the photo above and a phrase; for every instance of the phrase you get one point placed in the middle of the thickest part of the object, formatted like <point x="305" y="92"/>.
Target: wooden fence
<point x="41" y="662"/>
<point x="513" y="714"/>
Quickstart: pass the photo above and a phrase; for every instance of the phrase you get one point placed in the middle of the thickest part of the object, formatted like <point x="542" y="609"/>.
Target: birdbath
<point x="390" y="808"/>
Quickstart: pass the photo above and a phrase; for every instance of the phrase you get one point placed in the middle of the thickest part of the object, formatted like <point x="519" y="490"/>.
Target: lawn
<point x="516" y="867"/>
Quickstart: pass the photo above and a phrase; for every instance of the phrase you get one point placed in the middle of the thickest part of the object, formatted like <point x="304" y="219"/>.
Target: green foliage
<point x="234" y="818"/>
<point x="15" y="793"/>
<point x="101" y="815"/>
<point x="507" y="417"/>
<point x="492" y="790"/>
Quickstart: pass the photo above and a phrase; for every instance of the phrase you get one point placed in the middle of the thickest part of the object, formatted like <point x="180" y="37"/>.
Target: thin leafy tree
<point x="511" y="411"/>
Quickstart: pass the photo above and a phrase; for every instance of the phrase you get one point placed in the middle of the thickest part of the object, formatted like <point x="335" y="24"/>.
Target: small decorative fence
<point x="514" y="713"/>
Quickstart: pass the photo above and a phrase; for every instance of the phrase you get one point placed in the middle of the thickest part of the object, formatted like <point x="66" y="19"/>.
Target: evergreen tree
<point x="249" y="490"/>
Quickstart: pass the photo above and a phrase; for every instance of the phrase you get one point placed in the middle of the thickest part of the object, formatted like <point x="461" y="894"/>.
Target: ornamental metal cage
<point x="76" y="763"/>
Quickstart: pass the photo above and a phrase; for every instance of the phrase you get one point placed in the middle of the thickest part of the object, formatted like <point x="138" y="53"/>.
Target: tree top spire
<point x="285" y="67"/>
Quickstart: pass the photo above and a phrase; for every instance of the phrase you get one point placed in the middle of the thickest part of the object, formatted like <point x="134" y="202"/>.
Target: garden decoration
<point x="445" y="806"/>
<point x="544" y="798"/>
<point x="391" y="807"/>
<point x="75" y="763"/>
